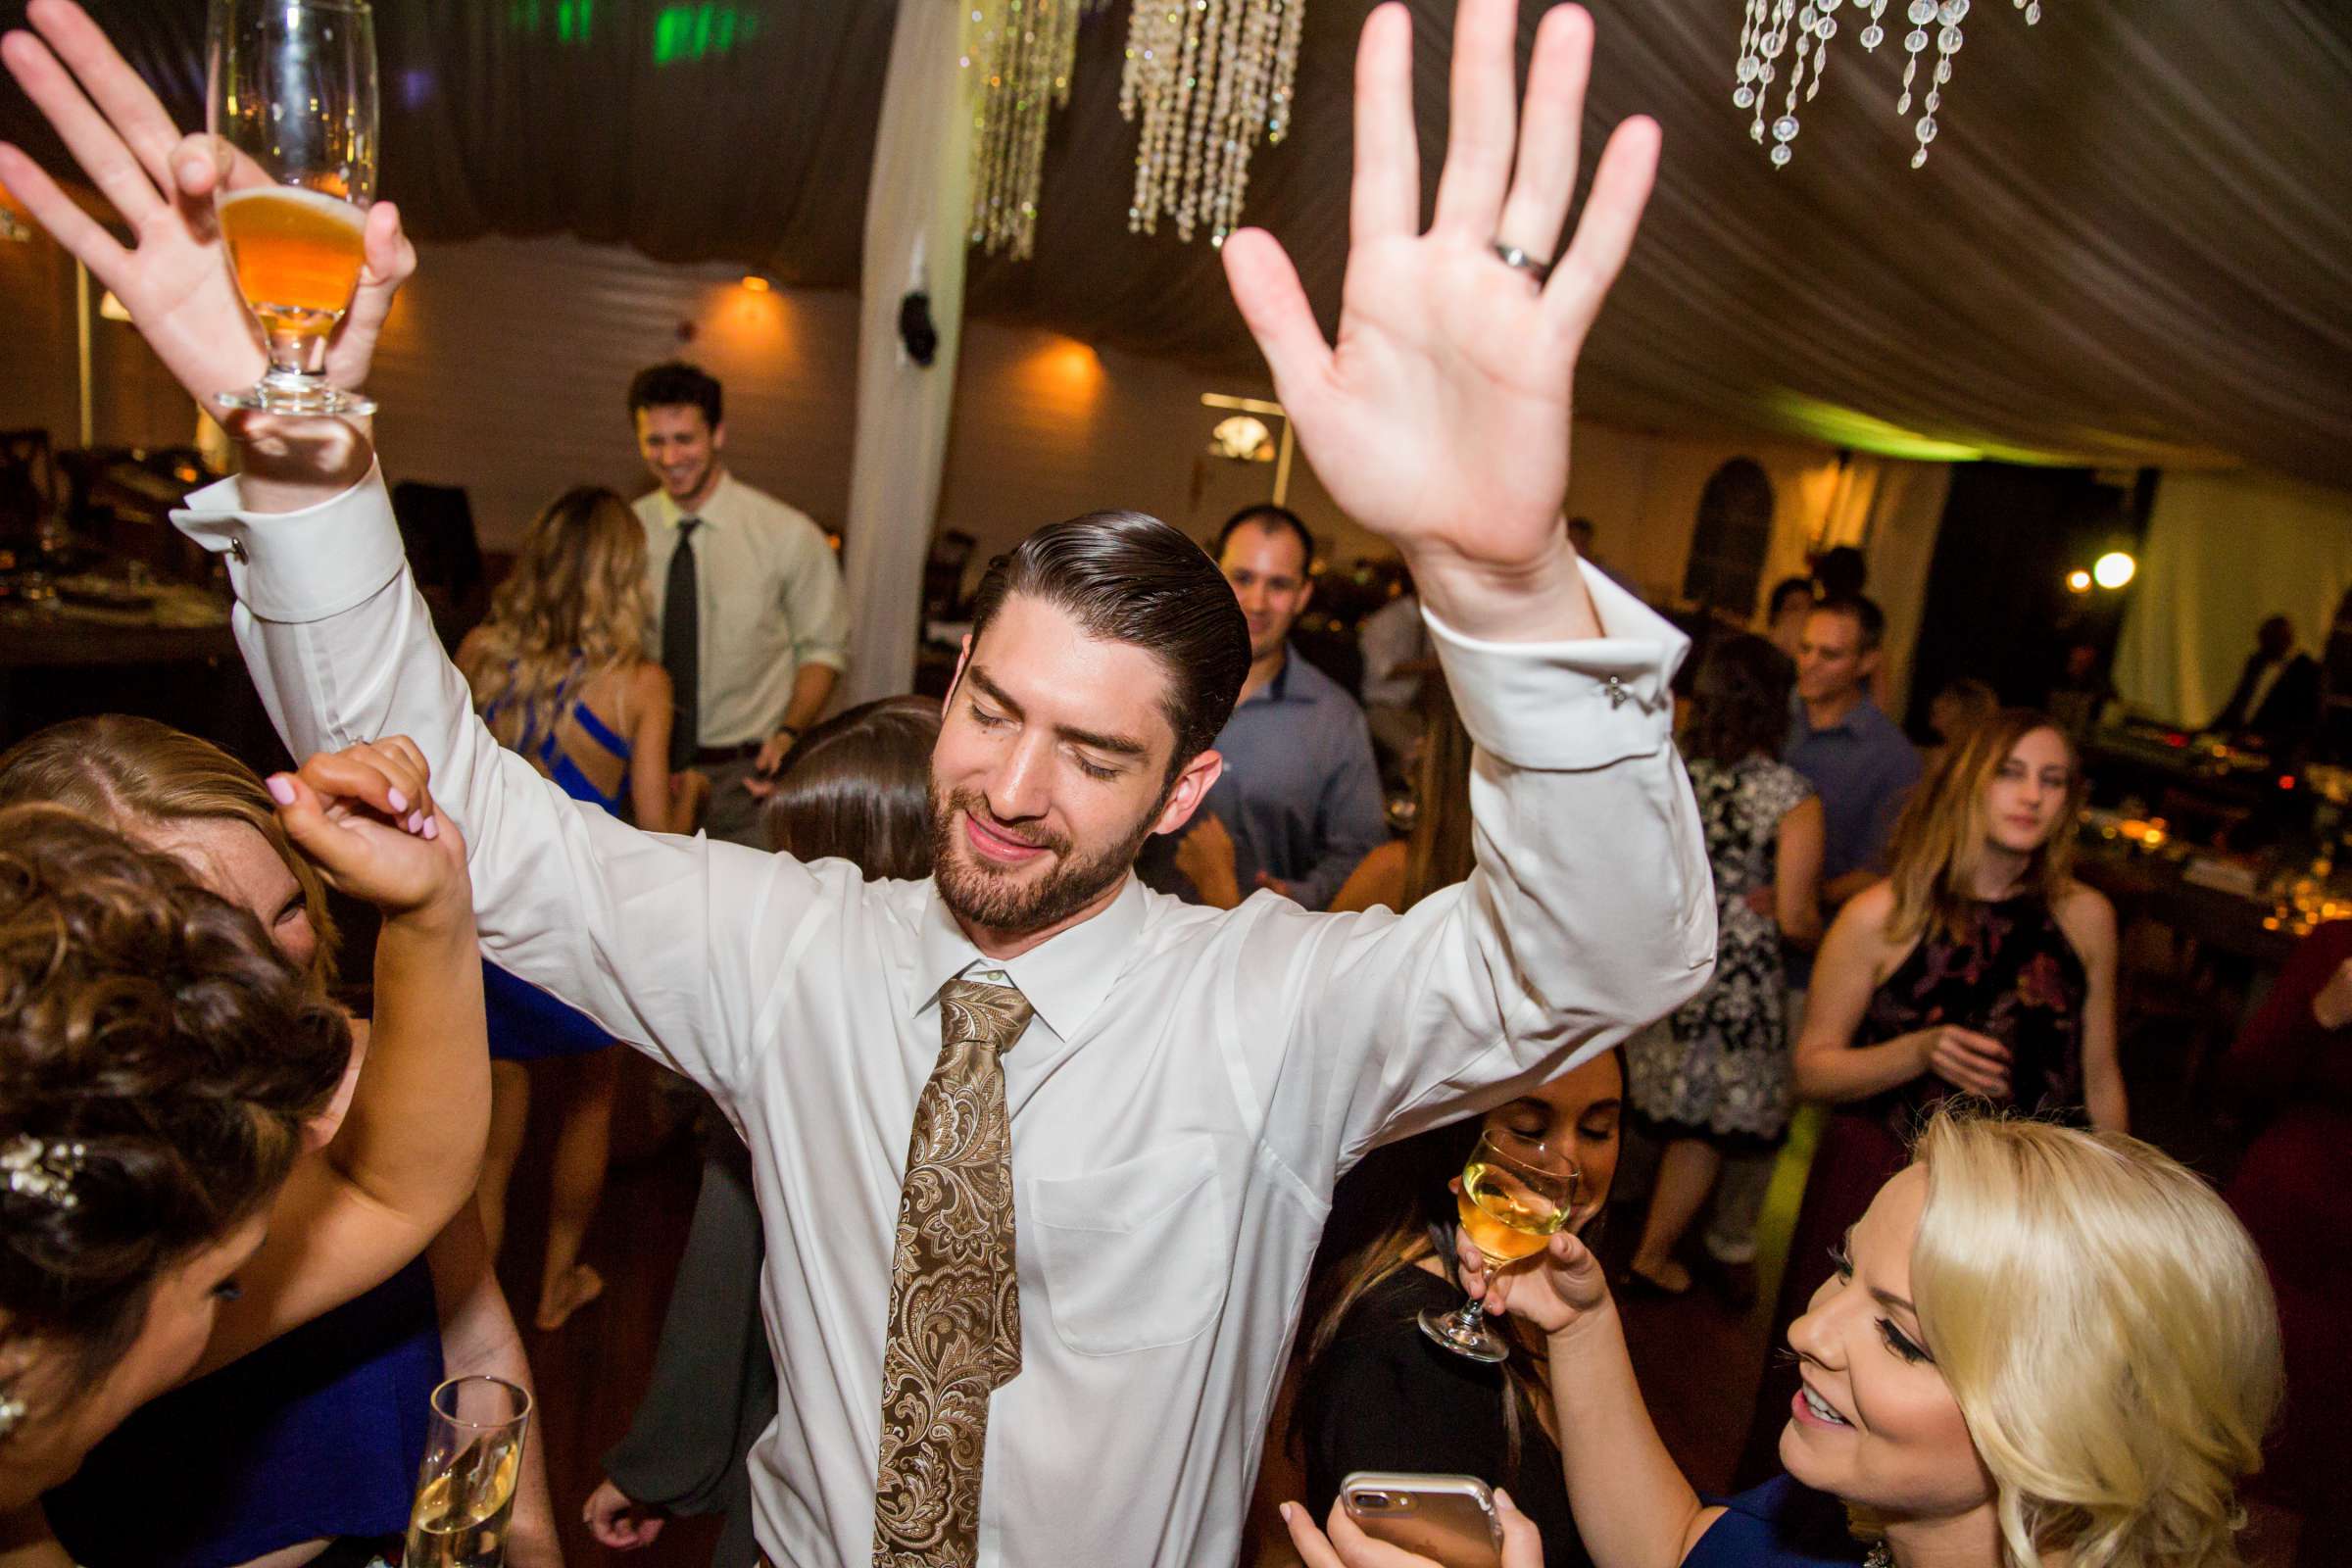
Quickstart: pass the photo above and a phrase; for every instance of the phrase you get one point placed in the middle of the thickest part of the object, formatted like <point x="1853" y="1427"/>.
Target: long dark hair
<point x="1387" y="1213"/>
<point x="856" y="788"/>
<point x="1740" y="707"/>
<point x="1131" y="579"/>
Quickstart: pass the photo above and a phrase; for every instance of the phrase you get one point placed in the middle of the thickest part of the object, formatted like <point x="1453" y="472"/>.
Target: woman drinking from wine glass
<point x="1380" y="1392"/>
<point x="2039" y="1347"/>
<point x="1980" y="966"/>
<point x="313" y="1440"/>
<point x="561" y="674"/>
<point x="164" y="1069"/>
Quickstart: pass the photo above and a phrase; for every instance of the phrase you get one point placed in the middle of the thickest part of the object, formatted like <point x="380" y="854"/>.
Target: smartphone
<point x="1447" y="1519"/>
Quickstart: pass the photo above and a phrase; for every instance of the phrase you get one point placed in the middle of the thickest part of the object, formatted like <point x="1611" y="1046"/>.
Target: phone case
<point x="1447" y="1519"/>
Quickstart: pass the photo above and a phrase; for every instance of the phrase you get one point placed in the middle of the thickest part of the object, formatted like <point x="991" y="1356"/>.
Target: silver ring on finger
<point x="1513" y="257"/>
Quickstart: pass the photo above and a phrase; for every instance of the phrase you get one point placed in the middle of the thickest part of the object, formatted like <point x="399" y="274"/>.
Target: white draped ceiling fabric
<point x="915" y="218"/>
<point x="2131" y="243"/>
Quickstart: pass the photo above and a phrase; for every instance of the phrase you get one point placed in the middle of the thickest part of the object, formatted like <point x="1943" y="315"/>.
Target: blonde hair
<point x="129" y="773"/>
<point x="2106" y="1326"/>
<point x="574" y="606"/>
<point x="1941" y="837"/>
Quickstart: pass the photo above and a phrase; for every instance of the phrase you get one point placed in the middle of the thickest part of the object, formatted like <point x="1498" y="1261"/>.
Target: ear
<point x="1193" y="785"/>
<point x="1306" y="596"/>
<point x="718" y="436"/>
<point x="1868" y="665"/>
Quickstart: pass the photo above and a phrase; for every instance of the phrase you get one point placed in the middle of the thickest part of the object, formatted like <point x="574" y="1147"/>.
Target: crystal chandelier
<point x="1208" y="76"/>
<point x="1021" y="52"/>
<point x="1768" y="31"/>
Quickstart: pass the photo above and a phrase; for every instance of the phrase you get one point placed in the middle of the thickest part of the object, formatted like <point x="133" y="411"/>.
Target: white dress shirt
<point x="1193" y="1083"/>
<point x="771" y="601"/>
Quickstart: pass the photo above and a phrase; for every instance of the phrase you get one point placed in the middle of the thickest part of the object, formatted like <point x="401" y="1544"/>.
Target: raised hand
<point x="1439" y="420"/>
<point x="175" y="279"/>
<point x="366" y="817"/>
<point x="1347" y="1546"/>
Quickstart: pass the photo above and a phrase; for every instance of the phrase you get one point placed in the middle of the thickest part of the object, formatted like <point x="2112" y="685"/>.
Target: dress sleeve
<point x="2276" y="1047"/>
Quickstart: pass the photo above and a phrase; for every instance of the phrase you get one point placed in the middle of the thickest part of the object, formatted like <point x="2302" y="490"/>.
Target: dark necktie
<point x="682" y="648"/>
<point x="954" y="1303"/>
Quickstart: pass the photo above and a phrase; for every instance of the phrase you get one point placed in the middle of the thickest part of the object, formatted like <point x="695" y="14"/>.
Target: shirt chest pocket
<point x="1135" y="1254"/>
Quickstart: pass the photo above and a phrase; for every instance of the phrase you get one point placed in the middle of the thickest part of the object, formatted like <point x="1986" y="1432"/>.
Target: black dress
<point x="1386" y="1397"/>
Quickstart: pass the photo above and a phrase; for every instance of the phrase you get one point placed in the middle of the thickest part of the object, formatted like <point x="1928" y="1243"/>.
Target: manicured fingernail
<point x="281" y="789"/>
<point x="1503" y="1499"/>
<point x="417" y="821"/>
<point x="400" y="802"/>
<point x="432" y="827"/>
<point x="1285" y="1512"/>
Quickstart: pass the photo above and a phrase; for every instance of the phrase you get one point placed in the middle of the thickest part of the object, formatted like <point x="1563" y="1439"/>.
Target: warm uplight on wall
<point x="1067" y="368"/>
<point x="755" y="283"/>
<point x="2113" y="569"/>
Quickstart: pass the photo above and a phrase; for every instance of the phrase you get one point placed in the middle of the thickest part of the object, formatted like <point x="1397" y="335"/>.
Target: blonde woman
<point x="2039" y="1347"/>
<point x="1979" y="966"/>
<point x="561" y="674"/>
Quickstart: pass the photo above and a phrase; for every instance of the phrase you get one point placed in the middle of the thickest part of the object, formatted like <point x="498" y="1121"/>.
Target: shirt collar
<point x="1278" y="690"/>
<point x="1064" y="978"/>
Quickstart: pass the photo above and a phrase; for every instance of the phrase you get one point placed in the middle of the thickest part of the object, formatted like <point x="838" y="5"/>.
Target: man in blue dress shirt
<point x="1301" y="794"/>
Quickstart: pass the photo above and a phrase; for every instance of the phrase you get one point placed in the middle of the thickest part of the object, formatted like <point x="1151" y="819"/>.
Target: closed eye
<point x="1096" y="769"/>
<point x="1902" y="1344"/>
<point x="988" y="720"/>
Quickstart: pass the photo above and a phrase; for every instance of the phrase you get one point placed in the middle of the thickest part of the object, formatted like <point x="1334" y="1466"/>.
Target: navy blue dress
<point x="1780" y="1524"/>
<point x="317" y="1434"/>
<point x="526" y="1023"/>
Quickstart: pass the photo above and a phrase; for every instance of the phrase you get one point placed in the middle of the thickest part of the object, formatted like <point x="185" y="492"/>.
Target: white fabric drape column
<point x="917" y="204"/>
<point x="2225" y="551"/>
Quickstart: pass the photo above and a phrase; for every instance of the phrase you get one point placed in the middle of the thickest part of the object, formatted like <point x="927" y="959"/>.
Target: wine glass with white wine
<point x="1515" y="1193"/>
<point x="466" y="1489"/>
<point x="291" y="86"/>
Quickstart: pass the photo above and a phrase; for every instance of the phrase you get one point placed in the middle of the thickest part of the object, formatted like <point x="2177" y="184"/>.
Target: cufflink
<point x="236" y="549"/>
<point x="1617" y="694"/>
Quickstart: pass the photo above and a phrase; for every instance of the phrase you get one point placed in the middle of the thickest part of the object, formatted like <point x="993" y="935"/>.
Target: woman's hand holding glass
<point x="1556" y="1290"/>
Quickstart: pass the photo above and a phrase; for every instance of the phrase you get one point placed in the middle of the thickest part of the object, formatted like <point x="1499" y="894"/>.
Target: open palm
<point x="175" y="279"/>
<point x="1440" y="419"/>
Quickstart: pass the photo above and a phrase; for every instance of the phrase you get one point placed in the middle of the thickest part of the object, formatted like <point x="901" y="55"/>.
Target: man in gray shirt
<point x="1301" y="793"/>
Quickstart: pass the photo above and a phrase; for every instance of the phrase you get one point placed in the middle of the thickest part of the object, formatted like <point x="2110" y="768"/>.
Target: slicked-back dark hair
<point x="1272" y="517"/>
<point x="1128" y="577"/>
<point x="674" y="383"/>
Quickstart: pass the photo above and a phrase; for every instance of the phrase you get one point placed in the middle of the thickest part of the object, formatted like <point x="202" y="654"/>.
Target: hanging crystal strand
<point x="1751" y="31"/>
<point x="1205" y="72"/>
<point x="1873" y="35"/>
<point x="1784" y="130"/>
<point x="1286" y="69"/>
<point x="1922" y="13"/>
<point x="1215" y="161"/>
<point x="1951" y="13"/>
<point x="1823" y="30"/>
<point x="1769" y="46"/>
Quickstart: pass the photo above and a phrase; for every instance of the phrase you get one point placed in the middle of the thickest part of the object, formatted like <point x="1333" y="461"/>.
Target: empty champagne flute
<point x="291" y="86"/>
<point x="1515" y="1193"/>
<point x="466" y="1490"/>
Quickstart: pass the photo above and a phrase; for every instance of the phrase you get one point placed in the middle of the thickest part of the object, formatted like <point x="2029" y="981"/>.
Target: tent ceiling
<point x="2132" y="243"/>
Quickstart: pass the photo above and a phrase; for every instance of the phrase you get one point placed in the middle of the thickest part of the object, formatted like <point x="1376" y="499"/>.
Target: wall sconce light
<point x="1243" y="439"/>
<point x="1246" y="439"/>
<point x="2078" y="581"/>
<point x="2113" y="569"/>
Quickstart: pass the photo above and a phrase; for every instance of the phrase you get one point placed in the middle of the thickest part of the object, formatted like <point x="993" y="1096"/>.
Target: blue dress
<point x="1780" y="1524"/>
<point x="318" y="1434"/>
<point x="526" y="1023"/>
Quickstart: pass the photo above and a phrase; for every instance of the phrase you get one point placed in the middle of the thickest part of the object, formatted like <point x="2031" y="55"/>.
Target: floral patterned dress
<point x="1721" y="1066"/>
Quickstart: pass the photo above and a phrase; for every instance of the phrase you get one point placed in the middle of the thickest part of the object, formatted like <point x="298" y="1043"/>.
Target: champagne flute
<point x="1516" y="1192"/>
<point x="466" y="1489"/>
<point x="290" y="85"/>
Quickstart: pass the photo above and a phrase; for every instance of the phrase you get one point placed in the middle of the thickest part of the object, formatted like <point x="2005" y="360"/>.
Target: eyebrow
<point x="1883" y="1298"/>
<point x="1117" y="745"/>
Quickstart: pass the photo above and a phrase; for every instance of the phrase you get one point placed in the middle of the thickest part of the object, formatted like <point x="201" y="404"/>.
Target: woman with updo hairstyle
<point x="316" y="1437"/>
<point x="166" y="1078"/>
<point x="2041" y="1347"/>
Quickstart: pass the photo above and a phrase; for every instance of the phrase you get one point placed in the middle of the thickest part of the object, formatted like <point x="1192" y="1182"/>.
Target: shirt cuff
<point x="292" y="567"/>
<point x="1562" y="706"/>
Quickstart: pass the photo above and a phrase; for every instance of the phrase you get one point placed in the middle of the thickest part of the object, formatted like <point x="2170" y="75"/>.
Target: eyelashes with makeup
<point x="1900" y="1343"/>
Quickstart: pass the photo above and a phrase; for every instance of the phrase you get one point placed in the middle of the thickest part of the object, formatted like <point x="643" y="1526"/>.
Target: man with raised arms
<point x="1043" y="1158"/>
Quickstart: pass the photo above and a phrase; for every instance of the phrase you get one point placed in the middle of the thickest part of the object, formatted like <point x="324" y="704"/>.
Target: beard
<point x="994" y="898"/>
